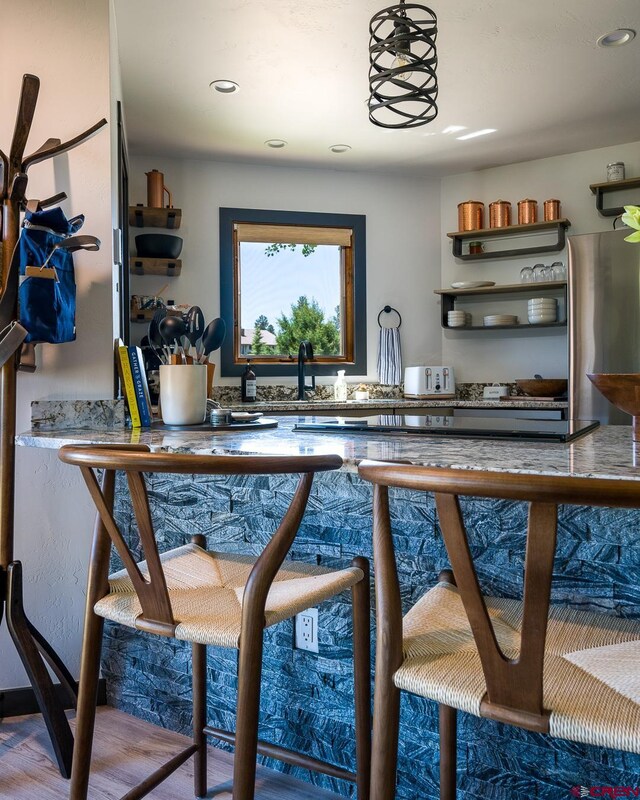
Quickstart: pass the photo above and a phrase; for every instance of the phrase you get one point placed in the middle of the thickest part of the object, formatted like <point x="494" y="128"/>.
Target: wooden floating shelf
<point x="524" y="326"/>
<point x="145" y="315"/>
<point x="600" y="189"/>
<point x="155" y="266"/>
<point x="147" y="217"/>
<point x="508" y="288"/>
<point x="558" y="225"/>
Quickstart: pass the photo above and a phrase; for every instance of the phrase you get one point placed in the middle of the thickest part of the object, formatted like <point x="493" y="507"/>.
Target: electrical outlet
<point x="306" y="633"/>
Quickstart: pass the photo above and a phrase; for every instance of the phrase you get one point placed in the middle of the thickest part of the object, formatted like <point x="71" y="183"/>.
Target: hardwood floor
<point x="126" y="750"/>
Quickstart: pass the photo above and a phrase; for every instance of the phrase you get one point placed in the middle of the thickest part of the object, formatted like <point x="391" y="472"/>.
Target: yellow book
<point x="126" y="377"/>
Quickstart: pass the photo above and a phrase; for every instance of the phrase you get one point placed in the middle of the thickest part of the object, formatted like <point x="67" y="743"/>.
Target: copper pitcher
<point x="156" y="190"/>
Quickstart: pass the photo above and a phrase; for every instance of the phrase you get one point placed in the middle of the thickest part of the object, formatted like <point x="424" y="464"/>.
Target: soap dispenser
<point x="340" y="388"/>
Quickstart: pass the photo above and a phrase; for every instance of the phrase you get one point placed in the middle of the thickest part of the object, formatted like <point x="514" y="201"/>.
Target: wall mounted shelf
<point x="559" y="226"/>
<point x="449" y="297"/>
<point x="519" y="327"/>
<point x="600" y="189"/>
<point x="145" y="315"/>
<point x="155" y="266"/>
<point x="146" y="217"/>
<point x="506" y="288"/>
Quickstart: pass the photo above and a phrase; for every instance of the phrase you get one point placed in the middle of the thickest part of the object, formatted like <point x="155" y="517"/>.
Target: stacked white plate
<point x="458" y="319"/>
<point x="500" y="319"/>
<point x="542" y="310"/>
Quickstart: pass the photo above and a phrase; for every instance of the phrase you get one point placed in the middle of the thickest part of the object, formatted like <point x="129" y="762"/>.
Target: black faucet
<point x="305" y="353"/>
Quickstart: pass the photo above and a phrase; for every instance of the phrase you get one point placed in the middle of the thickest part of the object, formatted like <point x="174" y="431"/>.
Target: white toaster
<point x="421" y="382"/>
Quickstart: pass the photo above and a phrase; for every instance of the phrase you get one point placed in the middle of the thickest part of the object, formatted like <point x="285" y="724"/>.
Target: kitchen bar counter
<point x="608" y="452"/>
<point x="596" y="566"/>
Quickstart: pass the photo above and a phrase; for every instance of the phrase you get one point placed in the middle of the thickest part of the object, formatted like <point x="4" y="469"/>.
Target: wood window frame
<point x="354" y="358"/>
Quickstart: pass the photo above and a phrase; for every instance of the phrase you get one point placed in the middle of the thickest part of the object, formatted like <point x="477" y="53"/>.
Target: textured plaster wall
<point x="66" y="44"/>
<point x="403" y="252"/>
<point x="507" y="355"/>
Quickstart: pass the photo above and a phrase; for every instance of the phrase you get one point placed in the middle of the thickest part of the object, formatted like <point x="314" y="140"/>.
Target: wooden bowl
<point x="623" y="391"/>
<point x="543" y="387"/>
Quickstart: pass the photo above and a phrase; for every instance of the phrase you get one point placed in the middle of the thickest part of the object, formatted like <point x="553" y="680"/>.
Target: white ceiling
<point x="530" y="69"/>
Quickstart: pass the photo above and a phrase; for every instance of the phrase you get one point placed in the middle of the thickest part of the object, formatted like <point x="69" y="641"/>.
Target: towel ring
<point x="388" y="310"/>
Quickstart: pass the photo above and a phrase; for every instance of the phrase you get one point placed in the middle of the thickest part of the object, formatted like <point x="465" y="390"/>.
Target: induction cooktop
<point x="438" y="425"/>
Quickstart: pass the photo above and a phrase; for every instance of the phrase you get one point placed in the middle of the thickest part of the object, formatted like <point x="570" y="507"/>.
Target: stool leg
<point x="97" y="588"/>
<point x="361" y="606"/>
<point x="448" y="746"/>
<point x="199" y="681"/>
<point x="247" y="715"/>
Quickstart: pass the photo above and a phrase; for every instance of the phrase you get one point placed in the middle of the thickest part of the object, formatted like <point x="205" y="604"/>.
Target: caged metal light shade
<point x="403" y="85"/>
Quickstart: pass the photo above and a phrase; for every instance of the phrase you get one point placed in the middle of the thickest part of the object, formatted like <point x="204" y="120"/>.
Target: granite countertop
<point x="282" y="406"/>
<point x="608" y="452"/>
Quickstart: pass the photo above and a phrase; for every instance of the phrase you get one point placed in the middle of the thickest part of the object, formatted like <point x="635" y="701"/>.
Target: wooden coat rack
<point x="31" y="646"/>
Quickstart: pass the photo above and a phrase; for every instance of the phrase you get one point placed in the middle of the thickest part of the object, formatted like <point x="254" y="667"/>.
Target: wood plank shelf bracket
<point x="155" y="266"/>
<point x="600" y="189"/>
<point x="559" y="226"/>
<point x="147" y="217"/>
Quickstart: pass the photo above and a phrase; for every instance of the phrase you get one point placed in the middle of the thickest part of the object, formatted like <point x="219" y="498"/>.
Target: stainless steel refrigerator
<point x="604" y="318"/>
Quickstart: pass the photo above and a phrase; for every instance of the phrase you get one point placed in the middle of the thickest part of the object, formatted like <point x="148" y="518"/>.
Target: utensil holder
<point x="211" y="371"/>
<point x="183" y="393"/>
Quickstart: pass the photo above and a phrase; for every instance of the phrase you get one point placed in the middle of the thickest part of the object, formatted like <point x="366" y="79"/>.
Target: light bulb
<point x="402" y="51"/>
<point x="399" y="62"/>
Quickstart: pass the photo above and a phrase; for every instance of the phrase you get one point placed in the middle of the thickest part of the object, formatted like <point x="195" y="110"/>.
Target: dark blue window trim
<point x="357" y="223"/>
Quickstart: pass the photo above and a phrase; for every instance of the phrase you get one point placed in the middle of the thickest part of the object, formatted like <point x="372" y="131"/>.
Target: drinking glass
<point x="526" y="275"/>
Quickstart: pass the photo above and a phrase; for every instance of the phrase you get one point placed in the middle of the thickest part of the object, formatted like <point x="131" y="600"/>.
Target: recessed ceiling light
<point x="224" y="86"/>
<point x="454" y="128"/>
<point x="340" y="148"/>
<point x="275" y="143"/>
<point x="473" y="135"/>
<point x="616" y="38"/>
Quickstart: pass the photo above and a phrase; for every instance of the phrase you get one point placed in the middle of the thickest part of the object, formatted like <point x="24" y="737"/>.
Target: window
<point x="288" y="276"/>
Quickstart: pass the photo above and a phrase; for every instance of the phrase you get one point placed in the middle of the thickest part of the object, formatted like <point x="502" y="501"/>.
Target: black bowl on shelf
<point x="158" y="245"/>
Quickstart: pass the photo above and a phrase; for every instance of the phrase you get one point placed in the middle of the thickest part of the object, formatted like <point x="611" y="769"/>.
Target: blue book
<point x="140" y="385"/>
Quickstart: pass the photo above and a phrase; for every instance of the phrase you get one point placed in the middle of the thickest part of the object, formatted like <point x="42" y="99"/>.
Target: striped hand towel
<point x="389" y="357"/>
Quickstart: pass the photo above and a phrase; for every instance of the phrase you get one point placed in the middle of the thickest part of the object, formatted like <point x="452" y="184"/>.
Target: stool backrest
<point x="514" y="686"/>
<point x="157" y="615"/>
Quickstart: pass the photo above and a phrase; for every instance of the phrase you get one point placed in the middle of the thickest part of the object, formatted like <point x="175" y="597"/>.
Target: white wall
<point x="66" y="44"/>
<point x="403" y="228"/>
<point x="506" y="355"/>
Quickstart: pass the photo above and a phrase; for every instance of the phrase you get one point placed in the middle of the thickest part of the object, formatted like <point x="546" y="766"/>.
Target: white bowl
<point x="538" y="319"/>
<point x="551" y="301"/>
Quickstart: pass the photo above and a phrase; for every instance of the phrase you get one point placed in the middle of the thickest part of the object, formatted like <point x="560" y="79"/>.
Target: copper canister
<point x="470" y="215"/>
<point x="500" y="214"/>
<point x="527" y="211"/>
<point x="551" y="210"/>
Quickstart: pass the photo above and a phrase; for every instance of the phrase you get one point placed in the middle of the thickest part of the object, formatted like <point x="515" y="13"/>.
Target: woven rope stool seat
<point x="206" y="589"/>
<point x="566" y="673"/>
<point x="208" y="598"/>
<point x="591" y="703"/>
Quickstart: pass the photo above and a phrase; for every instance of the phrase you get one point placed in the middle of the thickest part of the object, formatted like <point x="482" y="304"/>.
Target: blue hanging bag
<point x="48" y="305"/>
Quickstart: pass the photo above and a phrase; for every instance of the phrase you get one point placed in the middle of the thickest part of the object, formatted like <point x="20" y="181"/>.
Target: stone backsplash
<point x="230" y="395"/>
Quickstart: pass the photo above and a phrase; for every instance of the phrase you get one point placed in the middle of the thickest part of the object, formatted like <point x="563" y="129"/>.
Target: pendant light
<point x="403" y="86"/>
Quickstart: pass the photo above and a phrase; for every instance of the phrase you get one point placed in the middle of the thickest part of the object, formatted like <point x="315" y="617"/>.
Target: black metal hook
<point x="388" y="310"/>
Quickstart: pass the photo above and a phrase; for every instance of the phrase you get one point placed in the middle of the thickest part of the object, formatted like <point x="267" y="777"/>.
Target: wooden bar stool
<point x="210" y="598"/>
<point x="571" y="674"/>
